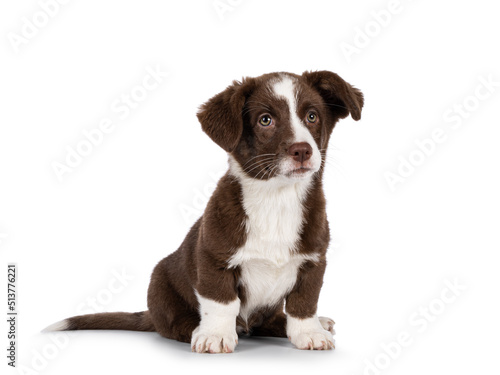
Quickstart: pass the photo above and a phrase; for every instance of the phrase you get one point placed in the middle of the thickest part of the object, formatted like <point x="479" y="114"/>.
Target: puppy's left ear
<point x="221" y="117"/>
<point x="340" y="97"/>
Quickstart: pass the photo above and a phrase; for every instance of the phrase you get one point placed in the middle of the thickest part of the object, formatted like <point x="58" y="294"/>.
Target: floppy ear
<point x="221" y="117"/>
<point x="340" y="97"/>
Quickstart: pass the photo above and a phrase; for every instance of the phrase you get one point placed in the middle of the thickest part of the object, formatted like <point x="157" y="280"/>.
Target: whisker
<point x="257" y="164"/>
<point x="255" y="157"/>
<point x="337" y="167"/>
<point x="264" y="168"/>
<point x="269" y="172"/>
<point x="259" y="160"/>
<point x="273" y="170"/>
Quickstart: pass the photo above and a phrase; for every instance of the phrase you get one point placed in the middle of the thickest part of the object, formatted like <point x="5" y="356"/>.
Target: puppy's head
<point x="278" y="125"/>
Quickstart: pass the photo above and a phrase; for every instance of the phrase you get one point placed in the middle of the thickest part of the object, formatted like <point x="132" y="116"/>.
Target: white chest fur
<point x="268" y="261"/>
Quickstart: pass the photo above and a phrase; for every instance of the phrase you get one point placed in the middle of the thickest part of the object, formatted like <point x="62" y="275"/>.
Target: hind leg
<point x="176" y="323"/>
<point x="173" y="317"/>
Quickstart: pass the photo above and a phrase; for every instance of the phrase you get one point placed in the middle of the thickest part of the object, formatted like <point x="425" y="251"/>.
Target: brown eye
<point x="265" y="120"/>
<point x="312" y="117"/>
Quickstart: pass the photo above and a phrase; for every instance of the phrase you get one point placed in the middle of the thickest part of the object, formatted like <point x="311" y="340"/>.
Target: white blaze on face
<point x="285" y="89"/>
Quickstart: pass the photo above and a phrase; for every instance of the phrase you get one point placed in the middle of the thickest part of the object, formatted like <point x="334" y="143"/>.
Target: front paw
<point x="204" y="341"/>
<point x="311" y="333"/>
<point x="313" y="340"/>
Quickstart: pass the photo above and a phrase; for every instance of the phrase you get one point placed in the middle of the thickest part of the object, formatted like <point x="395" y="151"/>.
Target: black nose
<point x="301" y="151"/>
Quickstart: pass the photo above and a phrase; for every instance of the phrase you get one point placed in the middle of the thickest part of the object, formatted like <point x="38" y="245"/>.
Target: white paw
<point x="327" y="324"/>
<point x="210" y="342"/>
<point x="311" y="333"/>
<point x="313" y="340"/>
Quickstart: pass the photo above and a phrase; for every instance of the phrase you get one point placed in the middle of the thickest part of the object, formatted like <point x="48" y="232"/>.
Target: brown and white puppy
<point x="254" y="262"/>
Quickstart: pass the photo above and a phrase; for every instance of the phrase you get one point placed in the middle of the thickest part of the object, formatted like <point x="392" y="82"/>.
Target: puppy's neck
<point x="274" y="210"/>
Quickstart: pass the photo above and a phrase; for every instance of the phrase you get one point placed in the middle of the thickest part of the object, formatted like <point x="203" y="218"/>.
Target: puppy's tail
<point x="139" y="321"/>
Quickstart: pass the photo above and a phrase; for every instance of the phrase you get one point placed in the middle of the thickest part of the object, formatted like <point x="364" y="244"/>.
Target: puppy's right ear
<point x="339" y="96"/>
<point x="221" y="117"/>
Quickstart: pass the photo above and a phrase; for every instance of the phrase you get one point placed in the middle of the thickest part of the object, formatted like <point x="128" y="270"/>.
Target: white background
<point x="123" y="208"/>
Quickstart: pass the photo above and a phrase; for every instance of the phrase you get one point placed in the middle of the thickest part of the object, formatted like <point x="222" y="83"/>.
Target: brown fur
<point x="200" y="263"/>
